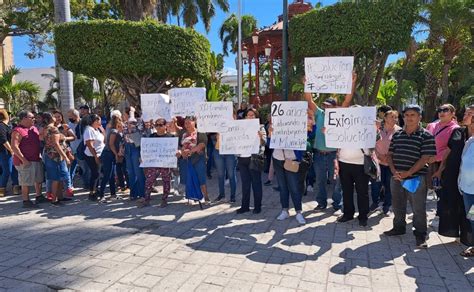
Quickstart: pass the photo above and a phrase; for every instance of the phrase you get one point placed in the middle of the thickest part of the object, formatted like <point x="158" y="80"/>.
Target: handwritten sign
<point x="159" y="152"/>
<point x="155" y="106"/>
<point x="240" y="137"/>
<point x="352" y="127"/>
<point x="211" y="114"/>
<point x="289" y="120"/>
<point x="328" y="74"/>
<point x="183" y="100"/>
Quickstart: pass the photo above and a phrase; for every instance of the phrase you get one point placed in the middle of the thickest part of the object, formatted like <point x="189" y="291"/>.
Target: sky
<point x="265" y="11"/>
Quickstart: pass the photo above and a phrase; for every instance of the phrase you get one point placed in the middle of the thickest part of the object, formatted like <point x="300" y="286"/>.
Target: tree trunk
<point x="445" y="80"/>
<point x="62" y="14"/>
<point x="430" y="97"/>
<point x="378" y="79"/>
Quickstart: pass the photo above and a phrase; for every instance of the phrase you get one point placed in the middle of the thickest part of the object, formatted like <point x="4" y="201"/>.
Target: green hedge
<point x="110" y="48"/>
<point x="351" y="28"/>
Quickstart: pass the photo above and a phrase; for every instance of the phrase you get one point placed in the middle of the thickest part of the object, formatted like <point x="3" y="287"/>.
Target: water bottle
<point x="436" y="183"/>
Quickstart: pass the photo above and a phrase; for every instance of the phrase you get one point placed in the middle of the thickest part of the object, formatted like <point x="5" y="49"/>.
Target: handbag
<point x="290" y="165"/>
<point x="371" y="166"/>
<point x="257" y="162"/>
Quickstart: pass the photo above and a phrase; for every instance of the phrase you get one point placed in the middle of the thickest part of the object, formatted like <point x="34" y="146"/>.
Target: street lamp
<point x="268" y="49"/>
<point x="255" y="37"/>
<point x="245" y="52"/>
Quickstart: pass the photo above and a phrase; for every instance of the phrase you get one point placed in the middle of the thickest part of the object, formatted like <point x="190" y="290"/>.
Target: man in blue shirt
<point x="324" y="157"/>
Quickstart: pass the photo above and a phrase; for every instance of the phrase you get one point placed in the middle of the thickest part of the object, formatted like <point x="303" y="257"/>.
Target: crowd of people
<point x="44" y="148"/>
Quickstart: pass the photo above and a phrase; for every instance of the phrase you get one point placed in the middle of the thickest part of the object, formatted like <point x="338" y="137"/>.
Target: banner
<point x="328" y="74"/>
<point x="352" y="127"/>
<point x="183" y="100"/>
<point x="240" y="137"/>
<point x="155" y="106"/>
<point x="159" y="152"/>
<point x="289" y="122"/>
<point x="210" y="115"/>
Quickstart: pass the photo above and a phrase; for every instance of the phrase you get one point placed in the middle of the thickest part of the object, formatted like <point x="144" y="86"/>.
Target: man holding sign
<point x="324" y="157"/>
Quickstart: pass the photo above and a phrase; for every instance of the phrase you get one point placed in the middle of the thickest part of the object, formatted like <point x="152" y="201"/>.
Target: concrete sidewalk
<point x="118" y="247"/>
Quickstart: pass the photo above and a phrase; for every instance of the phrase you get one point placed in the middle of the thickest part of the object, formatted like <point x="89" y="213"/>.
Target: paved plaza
<point x="89" y="246"/>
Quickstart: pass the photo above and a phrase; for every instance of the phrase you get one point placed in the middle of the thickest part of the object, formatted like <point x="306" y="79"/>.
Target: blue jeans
<point x="72" y="173"/>
<point x="226" y="163"/>
<point x="210" y="151"/>
<point x="107" y="160"/>
<point x="6" y="163"/>
<point x="290" y="185"/>
<point x="376" y="186"/>
<point x="136" y="177"/>
<point x="323" y="164"/>
<point x="86" y="172"/>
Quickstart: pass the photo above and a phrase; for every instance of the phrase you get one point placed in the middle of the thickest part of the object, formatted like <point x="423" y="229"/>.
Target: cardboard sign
<point x="159" y="152"/>
<point x="211" y="114"/>
<point x="184" y="100"/>
<point x="352" y="127"/>
<point x="155" y="106"/>
<point x="289" y="122"/>
<point x="328" y="74"/>
<point x="240" y="137"/>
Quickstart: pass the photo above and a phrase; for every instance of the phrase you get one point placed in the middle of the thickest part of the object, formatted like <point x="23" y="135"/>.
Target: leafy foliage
<point x="229" y="32"/>
<point x="17" y="95"/>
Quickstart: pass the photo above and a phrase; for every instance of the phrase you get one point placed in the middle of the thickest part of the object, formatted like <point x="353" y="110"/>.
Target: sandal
<point x="469" y="252"/>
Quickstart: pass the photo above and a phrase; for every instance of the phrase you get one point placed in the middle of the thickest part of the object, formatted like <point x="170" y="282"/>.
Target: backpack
<point x="81" y="148"/>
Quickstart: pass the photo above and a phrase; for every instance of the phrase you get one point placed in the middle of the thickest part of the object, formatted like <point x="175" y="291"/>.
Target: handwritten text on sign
<point x="240" y="137"/>
<point x="155" y="106"/>
<point x="289" y="119"/>
<point x="159" y="152"/>
<point x="211" y="114"/>
<point x="183" y="100"/>
<point x="352" y="127"/>
<point x="328" y="74"/>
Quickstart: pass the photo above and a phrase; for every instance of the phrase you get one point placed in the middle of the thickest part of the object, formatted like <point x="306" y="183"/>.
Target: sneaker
<point x="300" y="219"/>
<point x="343" y="219"/>
<point x="421" y="242"/>
<point x="41" y="199"/>
<point x="29" y="205"/>
<point x="242" y="211"/>
<point x="310" y="189"/>
<point x="283" y="215"/>
<point x="267" y="183"/>
<point x="69" y="192"/>
<point x="219" y="199"/>
<point x="394" y="232"/>
<point x="49" y="195"/>
<point x="373" y="207"/>
<point x="338" y="212"/>
<point x="320" y="208"/>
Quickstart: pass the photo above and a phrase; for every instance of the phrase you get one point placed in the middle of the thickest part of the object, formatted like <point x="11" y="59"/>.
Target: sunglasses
<point x="160" y="125"/>
<point x="443" y="110"/>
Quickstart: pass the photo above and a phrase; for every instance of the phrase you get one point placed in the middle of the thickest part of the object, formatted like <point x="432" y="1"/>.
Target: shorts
<point x="55" y="170"/>
<point x="31" y="174"/>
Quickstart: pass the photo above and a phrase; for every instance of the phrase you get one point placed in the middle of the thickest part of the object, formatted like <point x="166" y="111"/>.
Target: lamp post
<point x="284" y="65"/>
<point x="257" y="65"/>
<point x="268" y="54"/>
<point x="239" y="55"/>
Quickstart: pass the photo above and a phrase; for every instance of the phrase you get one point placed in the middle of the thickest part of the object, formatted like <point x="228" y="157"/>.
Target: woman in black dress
<point x="452" y="218"/>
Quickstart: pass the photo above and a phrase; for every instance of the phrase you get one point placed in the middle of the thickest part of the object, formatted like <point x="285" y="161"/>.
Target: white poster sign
<point x="211" y="114"/>
<point x="289" y="122"/>
<point x="183" y="100"/>
<point x="352" y="127"/>
<point x="159" y="152"/>
<point x="328" y="74"/>
<point x="240" y="137"/>
<point x="155" y="106"/>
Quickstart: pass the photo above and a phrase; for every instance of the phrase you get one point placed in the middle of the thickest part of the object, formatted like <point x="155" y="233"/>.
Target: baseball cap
<point x="413" y="107"/>
<point x="330" y="101"/>
<point x="84" y="106"/>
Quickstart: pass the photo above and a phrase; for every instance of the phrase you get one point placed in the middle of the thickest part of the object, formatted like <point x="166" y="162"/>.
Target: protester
<point x="381" y="150"/>
<point x="452" y="215"/>
<point x="110" y="155"/>
<point x="410" y="150"/>
<point x="94" y="141"/>
<point x="152" y="173"/>
<point x="193" y="152"/>
<point x="251" y="171"/>
<point x="268" y="153"/>
<point x="175" y="130"/>
<point x="242" y="110"/>
<point x="225" y="165"/>
<point x="6" y="152"/>
<point x="26" y="149"/>
<point x="84" y="110"/>
<point x="133" y="133"/>
<point x="55" y="158"/>
<point x="211" y="144"/>
<point x="325" y="157"/>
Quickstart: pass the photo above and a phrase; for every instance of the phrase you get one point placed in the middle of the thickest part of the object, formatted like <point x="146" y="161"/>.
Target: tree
<point x="17" y="95"/>
<point x="358" y="29"/>
<point x="143" y="56"/>
<point x="229" y="32"/>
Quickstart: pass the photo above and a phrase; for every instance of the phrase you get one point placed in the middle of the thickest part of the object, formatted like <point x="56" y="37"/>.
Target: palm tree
<point x="228" y="33"/>
<point x="17" y="95"/>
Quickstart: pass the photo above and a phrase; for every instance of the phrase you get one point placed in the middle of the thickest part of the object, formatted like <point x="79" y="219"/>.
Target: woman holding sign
<point x="251" y="167"/>
<point x="193" y="152"/>
<point x="152" y="173"/>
